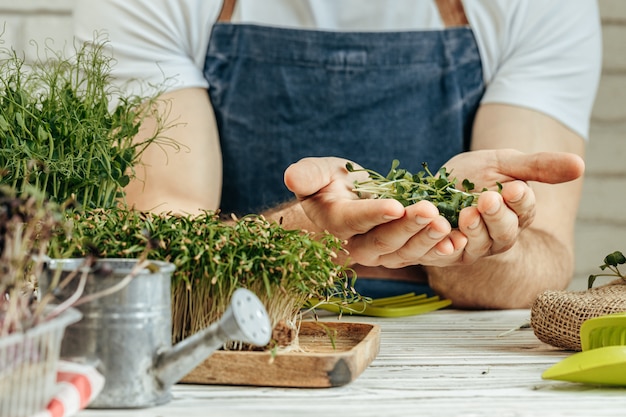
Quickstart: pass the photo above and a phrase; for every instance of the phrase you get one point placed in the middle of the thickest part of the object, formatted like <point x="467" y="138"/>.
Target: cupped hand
<point x="379" y="232"/>
<point x="494" y="224"/>
<point x="324" y="188"/>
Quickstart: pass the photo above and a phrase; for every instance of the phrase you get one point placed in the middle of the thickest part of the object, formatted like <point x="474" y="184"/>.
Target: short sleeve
<point x="155" y="44"/>
<point x="550" y="61"/>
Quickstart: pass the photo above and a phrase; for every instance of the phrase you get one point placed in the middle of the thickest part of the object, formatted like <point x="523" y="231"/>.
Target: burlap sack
<point x="556" y="316"/>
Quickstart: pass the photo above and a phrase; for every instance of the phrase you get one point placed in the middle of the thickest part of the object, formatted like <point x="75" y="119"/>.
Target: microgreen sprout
<point x="408" y="188"/>
<point x="285" y="268"/>
<point x="611" y="262"/>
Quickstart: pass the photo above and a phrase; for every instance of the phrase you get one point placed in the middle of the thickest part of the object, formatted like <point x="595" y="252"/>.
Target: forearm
<point x="184" y="180"/>
<point x="513" y="279"/>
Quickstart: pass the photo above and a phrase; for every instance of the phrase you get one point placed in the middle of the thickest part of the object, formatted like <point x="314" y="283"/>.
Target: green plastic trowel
<point x="601" y="366"/>
<point x="396" y="306"/>
<point x="602" y="360"/>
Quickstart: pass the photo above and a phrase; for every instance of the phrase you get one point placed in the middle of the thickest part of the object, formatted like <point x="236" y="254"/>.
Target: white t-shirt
<point x="540" y="54"/>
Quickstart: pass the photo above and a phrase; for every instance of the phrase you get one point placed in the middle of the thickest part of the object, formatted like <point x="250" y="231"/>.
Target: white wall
<point x="40" y="22"/>
<point x="601" y="227"/>
<point x="602" y="217"/>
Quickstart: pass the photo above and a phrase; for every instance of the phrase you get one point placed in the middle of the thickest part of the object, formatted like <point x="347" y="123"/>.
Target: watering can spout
<point x="245" y="320"/>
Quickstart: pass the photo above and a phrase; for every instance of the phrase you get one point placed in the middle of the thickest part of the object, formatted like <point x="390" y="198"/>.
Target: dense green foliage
<point x="409" y="188"/>
<point x="213" y="258"/>
<point x="65" y="130"/>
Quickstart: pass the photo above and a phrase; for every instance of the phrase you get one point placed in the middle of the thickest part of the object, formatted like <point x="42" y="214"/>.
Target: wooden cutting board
<point x="330" y="354"/>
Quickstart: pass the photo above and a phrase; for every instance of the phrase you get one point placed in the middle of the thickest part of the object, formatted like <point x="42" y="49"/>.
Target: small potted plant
<point x="557" y="315"/>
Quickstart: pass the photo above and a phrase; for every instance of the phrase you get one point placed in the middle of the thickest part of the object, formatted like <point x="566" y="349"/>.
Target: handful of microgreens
<point x="285" y="268"/>
<point x="611" y="262"/>
<point x="408" y="188"/>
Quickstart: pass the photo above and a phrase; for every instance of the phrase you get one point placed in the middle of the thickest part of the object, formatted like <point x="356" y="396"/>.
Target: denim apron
<point x="371" y="97"/>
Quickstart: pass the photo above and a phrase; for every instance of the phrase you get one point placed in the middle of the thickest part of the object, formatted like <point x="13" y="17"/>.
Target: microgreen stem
<point x="407" y="188"/>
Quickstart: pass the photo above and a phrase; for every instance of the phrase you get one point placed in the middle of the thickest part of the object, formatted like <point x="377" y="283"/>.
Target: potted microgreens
<point x="32" y="322"/>
<point x="72" y="135"/>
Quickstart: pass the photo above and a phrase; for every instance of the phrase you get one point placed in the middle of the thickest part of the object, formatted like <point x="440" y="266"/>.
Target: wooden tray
<point x="318" y="364"/>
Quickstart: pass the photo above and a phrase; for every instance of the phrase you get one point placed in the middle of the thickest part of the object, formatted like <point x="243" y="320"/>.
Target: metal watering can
<point x="128" y="333"/>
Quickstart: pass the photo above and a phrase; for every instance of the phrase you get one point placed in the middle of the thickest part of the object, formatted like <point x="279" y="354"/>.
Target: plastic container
<point x="28" y="366"/>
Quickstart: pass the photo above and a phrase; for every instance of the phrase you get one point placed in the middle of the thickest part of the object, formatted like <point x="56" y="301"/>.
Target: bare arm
<point x="543" y="254"/>
<point x="496" y="258"/>
<point x="189" y="179"/>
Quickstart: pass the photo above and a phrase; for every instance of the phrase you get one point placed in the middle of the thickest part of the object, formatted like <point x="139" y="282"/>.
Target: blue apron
<point x="371" y="97"/>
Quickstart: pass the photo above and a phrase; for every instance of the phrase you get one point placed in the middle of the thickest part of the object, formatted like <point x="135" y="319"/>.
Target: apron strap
<point x="227" y="10"/>
<point x="451" y="11"/>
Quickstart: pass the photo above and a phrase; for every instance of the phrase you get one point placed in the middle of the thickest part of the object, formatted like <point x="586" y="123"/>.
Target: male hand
<point x="380" y="232"/>
<point x="494" y="224"/>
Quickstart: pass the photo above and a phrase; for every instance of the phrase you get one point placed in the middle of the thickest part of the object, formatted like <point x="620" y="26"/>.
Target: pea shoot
<point x="67" y="130"/>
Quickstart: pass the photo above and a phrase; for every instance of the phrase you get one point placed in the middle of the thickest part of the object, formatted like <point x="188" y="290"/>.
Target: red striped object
<point x="77" y="386"/>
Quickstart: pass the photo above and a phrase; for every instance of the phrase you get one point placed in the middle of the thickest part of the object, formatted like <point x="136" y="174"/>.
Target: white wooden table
<point x="445" y="363"/>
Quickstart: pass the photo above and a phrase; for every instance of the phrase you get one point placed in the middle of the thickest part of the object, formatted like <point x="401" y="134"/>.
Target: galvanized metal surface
<point x="127" y="334"/>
